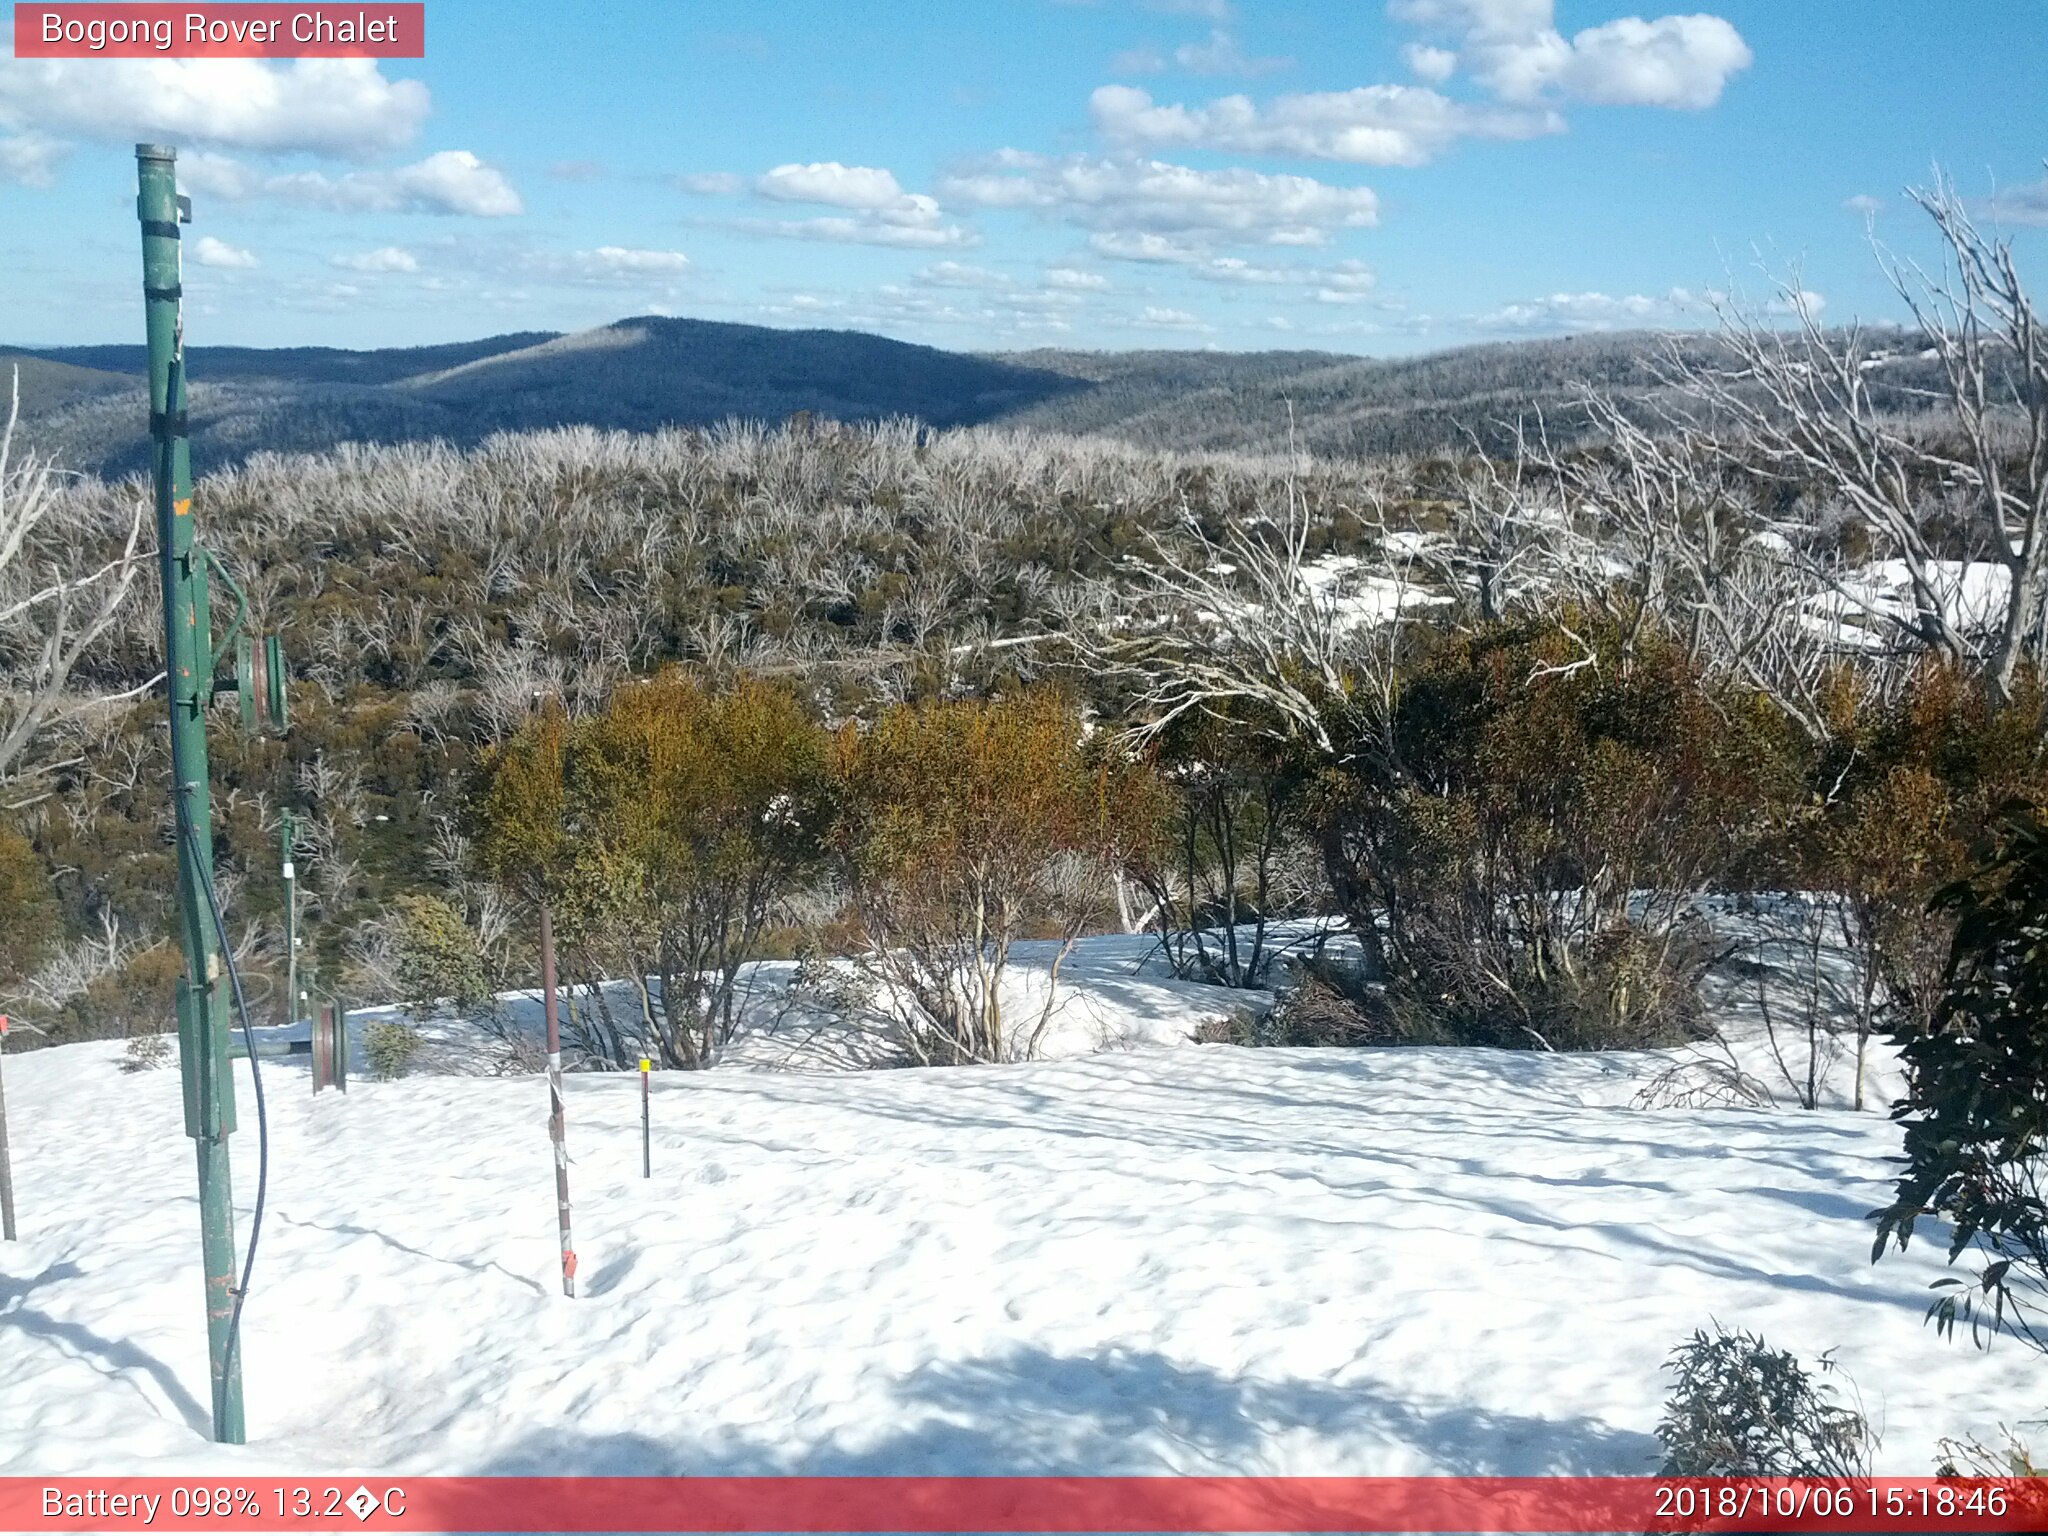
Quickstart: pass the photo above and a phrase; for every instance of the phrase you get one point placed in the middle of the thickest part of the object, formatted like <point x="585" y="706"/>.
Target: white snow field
<point x="1150" y="1259"/>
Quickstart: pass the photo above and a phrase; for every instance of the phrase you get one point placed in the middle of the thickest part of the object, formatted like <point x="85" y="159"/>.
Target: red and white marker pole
<point x="6" y="1167"/>
<point x="557" y="1111"/>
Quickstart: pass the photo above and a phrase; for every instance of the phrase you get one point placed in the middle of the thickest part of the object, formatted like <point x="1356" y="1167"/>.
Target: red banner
<point x="265" y="31"/>
<point x="1018" y="1504"/>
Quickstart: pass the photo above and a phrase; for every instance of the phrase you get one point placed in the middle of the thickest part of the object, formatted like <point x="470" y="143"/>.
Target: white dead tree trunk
<point x="1681" y="539"/>
<point x="53" y="616"/>
<point x="1797" y="405"/>
<point x="1223" y="625"/>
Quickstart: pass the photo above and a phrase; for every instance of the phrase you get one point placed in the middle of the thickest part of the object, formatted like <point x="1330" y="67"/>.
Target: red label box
<point x="366" y="29"/>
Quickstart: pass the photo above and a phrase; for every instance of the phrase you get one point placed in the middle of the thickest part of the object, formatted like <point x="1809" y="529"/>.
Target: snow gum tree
<point x="1239" y="803"/>
<point x="967" y="825"/>
<point x="697" y="814"/>
<point x="1527" y="835"/>
<point x="664" y="830"/>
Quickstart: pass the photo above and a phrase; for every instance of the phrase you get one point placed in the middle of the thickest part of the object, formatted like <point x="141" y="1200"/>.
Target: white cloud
<point x="209" y="252"/>
<point x="1674" y="61"/>
<point x="1346" y="282"/>
<point x="841" y="186"/>
<point x="1220" y="55"/>
<point x="1140" y="245"/>
<point x="1211" y="10"/>
<point x="317" y="106"/>
<point x="29" y="159"/>
<point x="1595" y="312"/>
<point x="1803" y="304"/>
<point x="1156" y="318"/>
<point x="1864" y="205"/>
<point x="386" y="258"/>
<point x="2022" y="205"/>
<point x="1136" y="204"/>
<point x="1435" y="65"/>
<point x="884" y="214"/>
<point x="451" y="182"/>
<point x="1514" y="49"/>
<point x="1235" y="269"/>
<point x="955" y="274"/>
<point x="1142" y="60"/>
<point x="1073" y="278"/>
<point x="801" y="305"/>
<point x="614" y="263"/>
<point x="865" y="231"/>
<point x="1474" y="15"/>
<point x="1371" y="125"/>
<point x="711" y="183"/>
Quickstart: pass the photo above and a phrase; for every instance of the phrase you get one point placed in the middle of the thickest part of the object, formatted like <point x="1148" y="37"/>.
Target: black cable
<point x="227" y="951"/>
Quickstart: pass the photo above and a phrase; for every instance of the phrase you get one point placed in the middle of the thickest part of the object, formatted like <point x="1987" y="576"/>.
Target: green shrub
<point x="967" y="825"/>
<point x="666" y="832"/>
<point x="1976" y="1110"/>
<point x="137" y="997"/>
<point x="440" y="958"/>
<point x="28" y="906"/>
<point x="390" y="1049"/>
<point x="1518" y="838"/>
<point x="1742" y="1409"/>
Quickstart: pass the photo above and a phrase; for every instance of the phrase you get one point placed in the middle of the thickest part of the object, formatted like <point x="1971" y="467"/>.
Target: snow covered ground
<point x="1167" y="1258"/>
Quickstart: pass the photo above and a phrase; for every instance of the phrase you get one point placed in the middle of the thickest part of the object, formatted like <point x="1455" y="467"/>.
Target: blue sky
<point x="993" y="174"/>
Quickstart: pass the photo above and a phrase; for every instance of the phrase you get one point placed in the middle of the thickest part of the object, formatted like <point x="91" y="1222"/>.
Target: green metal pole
<point x="291" y="928"/>
<point x="188" y="665"/>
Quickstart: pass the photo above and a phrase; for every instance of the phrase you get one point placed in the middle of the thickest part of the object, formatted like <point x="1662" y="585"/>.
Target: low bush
<point x="1742" y="1409"/>
<point x="146" y="1052"/>
<point x="440" y="958"/>
<point x="138" y="996"/>
<point x="1518" y="837"/>
<point x="964" y="827"/>
<point x="390" y="1049"/>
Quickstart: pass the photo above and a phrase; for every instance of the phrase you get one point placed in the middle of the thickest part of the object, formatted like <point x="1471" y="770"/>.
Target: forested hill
<point x="85" y="405"/>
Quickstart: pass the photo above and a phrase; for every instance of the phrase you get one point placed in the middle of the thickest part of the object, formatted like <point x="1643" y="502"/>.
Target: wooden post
<point x="6" y="1167"/>
<point x="557" y="1111"/>
<point x="646" y="1122"/>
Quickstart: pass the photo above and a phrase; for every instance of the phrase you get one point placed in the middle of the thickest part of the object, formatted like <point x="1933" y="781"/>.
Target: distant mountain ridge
<point x="300" y="365"/>
<point x="86" y="405"/>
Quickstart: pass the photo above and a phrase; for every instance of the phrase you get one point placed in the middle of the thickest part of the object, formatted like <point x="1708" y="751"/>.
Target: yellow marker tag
<point x="182" y="508"/>
<point x="645" y="1064"/>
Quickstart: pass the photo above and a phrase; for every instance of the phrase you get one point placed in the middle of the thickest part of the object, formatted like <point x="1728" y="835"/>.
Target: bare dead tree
<point x="49" y="617"/>
<point x="1662" y="527"/>
<point x="1796" y="405"/>
<point x="1199" y="622"/>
